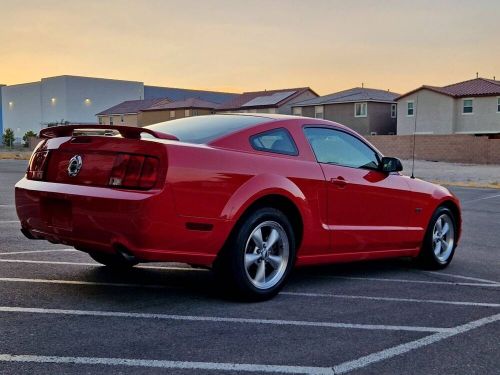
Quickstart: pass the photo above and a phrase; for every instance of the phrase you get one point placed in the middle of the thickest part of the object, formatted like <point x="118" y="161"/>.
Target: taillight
<point x="134" y="172"/>
<point x="37" y="165"/>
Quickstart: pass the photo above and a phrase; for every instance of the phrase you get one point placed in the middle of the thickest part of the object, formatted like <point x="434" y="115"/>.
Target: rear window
<point x="204" y="129"/>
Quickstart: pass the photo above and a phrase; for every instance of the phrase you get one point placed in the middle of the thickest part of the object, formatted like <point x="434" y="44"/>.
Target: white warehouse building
<point x="31" y="106"/>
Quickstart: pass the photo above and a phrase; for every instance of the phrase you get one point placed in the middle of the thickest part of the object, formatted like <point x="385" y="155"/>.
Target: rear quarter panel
<point x="220" y="182"/>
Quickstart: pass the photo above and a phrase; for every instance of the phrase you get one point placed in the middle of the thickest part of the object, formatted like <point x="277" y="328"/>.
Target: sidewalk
<point x="471" y="175"/>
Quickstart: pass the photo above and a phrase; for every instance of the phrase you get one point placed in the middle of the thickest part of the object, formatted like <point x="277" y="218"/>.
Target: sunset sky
<point x="249" y="45"/>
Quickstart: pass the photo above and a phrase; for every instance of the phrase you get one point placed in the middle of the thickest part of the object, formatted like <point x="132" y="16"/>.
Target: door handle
<point x="339" y="182"/>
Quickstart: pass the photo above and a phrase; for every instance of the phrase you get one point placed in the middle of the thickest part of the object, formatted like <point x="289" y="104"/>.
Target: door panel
<point x="368" y="210"/>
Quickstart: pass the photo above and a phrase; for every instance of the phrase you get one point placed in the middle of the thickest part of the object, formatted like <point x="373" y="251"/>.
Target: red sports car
<point x="248" y="195"/>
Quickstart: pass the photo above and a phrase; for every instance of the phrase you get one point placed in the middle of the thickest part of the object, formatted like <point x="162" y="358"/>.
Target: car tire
<point x="112" y="260"/>
<point x="248" y="268"/>
<point x="440" y="240"/>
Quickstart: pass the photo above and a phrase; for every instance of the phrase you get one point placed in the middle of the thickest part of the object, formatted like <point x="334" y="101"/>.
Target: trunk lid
<point x="109" y="161"/>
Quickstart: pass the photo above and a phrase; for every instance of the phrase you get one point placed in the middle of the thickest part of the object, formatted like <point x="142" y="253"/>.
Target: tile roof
<point x="188" y="103"/>
<point x="131" y="106"/>
<point x="357" y="94"/>
<point x="241" y="100"/>
<point x="176" y="94"/>
<point x="472" y="87"/>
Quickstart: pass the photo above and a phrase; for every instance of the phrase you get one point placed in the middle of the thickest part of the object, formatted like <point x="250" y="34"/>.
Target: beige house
<point x="469" y="107"/>
<point x="268" y="101"/>
<point x="165" y="111"/>
<point x="127" y="113"/>
<point x="367" y="111"/>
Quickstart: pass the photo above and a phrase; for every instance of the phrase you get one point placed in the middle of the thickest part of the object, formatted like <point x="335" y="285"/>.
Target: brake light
<point x="134" y="172"/>
<point x="37" y="165"/>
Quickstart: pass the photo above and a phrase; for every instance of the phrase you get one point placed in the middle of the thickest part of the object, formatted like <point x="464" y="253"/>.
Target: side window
<point x="337" y="147"/>
<point x="276" y="140"/>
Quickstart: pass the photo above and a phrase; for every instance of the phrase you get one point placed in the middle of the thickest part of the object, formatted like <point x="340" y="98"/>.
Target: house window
<point x="360" y="109"/>
<point x="467" y="106"/>
<point x="172" y="114"/>
<point x="100" y="120"/>
<point x="318" y="111"/>
<point x="110" y="120"/>
<point x="297" y="111"/>
<point x="410" y="108"/>
<point x="394" y="110"/>
<point x="194" y="112"/>
<point x="498" y="104"/>
<point x="186" y="113"/>
<point x="272" y="110"/>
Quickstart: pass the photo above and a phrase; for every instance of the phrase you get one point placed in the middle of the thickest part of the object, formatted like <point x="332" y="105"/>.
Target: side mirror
<point x="390" y="165"/>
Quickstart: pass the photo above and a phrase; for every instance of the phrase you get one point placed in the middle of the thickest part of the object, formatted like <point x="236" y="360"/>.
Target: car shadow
<point x="202" y="285"/>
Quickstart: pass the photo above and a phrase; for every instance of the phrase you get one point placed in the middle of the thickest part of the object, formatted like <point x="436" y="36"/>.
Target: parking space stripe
<point x="9" y="221"/>
<point x="462" y="277"/>
<point x="83" y="264"/>
<point x="297" y="294"/>
<point x="35" y="251"/>
<point x="335" y="370"/>
<point x="408" y="281"/>
<point x="392" y="299"/>
<point x="78" y="282"/>
<point x="412" y="345"/>
<point x="299" y="323"/>
<point x="482" y="198"/>
<point x="178" y="365"/>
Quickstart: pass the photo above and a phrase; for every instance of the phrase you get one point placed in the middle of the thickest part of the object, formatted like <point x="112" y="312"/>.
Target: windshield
<point x="204" y="129"/>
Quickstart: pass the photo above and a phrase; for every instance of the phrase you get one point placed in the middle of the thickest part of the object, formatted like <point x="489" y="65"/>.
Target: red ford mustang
<point x="249" y="195"/>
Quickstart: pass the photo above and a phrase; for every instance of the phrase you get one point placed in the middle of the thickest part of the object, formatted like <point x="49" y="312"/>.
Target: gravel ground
<point x="472" y="175"/>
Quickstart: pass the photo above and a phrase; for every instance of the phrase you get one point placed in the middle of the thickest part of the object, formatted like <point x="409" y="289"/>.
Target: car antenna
<point x="415" y="109"/>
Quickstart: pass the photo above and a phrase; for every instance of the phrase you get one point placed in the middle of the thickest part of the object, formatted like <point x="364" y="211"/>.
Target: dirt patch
<point x="16" y="155"/>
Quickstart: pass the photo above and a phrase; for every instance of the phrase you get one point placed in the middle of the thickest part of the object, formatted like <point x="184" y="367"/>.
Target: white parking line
<point x="408" y="281"/>
<point x="300" y="323"/>
<point x="482" y="199"/>
<point x="335" y="370"/>
<point x="78" y="282"/>
<point x="36" y="251"/>
<point x="392" y="299"/>
<point x="298" y="294"/>
<point x="82" y="264"/>
<point x="462" y="277"/>
<point x="151" y="363"/>
<point x="412" y="345"/>
<point x="7" y="205"/>
<point x="9" y="221"/>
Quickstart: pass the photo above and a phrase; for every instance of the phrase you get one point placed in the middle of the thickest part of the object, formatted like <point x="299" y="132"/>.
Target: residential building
<point x="127" y="112"/>
<point x="165" y="111"/>
<point x="367" y="111"/>
<point x="272" y="101"/>
<point x="177" y="94"/>
<point x="31" y="106"/>
<point x="468" y="107"/>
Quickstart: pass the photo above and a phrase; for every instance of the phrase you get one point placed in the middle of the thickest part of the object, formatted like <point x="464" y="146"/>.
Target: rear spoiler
<point x="130" y="132"/>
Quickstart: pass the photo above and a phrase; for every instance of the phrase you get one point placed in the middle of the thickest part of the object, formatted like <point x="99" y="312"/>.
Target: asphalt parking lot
<point x="62" y="313"/>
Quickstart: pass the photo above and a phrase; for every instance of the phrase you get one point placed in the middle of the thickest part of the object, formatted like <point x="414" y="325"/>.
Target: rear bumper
<point x="144" y="223"/>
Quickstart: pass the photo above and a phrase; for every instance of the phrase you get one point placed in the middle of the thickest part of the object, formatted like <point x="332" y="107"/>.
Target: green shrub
<point x="26" y="137"/>
<point x="8" y="137"/>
